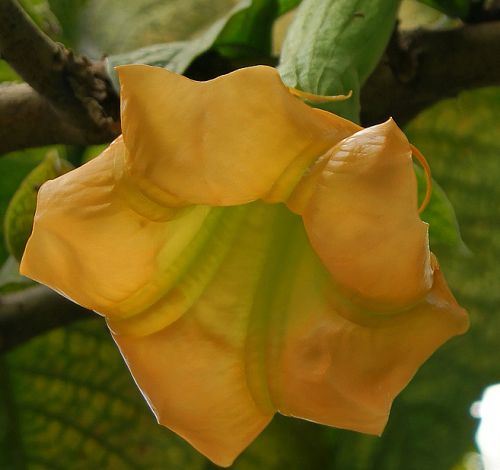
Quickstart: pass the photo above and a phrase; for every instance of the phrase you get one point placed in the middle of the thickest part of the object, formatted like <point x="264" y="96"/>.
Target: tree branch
<point x="77" y="88"/>
<point x="30" y="312"/>
<point x="423" y="67"/>
<point x="28" y="119"/>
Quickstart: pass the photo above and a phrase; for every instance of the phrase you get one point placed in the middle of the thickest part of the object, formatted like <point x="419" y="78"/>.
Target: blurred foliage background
<point x="66" y="398"/>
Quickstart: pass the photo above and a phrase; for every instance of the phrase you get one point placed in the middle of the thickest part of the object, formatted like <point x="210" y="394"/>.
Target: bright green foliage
<point x="67" y="401"/>
<point x="190" y="33"/>
<point x="325" y="51"/>
<point x="18" y="220"/>
<point x="456" y="8"/>
<point x="13" y="168"/>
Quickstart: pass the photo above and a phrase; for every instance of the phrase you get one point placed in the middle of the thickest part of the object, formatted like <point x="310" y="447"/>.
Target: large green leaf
<point x="333" y="45"/>
<point x="68" y="402"/>
<point x="114" y="26"/>
<point x="248" y="33"/>
<point x="18" y="221"/>
<point x="186" y="29"/>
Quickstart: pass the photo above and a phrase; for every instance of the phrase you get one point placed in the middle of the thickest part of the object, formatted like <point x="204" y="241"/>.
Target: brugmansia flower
<point x="251" y="255"/>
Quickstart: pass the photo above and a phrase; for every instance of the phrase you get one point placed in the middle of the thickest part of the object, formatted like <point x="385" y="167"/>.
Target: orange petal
<point x="360" y="212"/>
<point x="196" y="387"/>
<point x="90" y="243"/>
<point x="227" y="141"/>
<point x="343" y="366"/>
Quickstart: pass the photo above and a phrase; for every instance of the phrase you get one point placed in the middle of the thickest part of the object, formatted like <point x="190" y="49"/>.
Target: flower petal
<point x="196" y="387"/>
<point x="360" y="212"/>
<point x="231" y="140"/>
<point x="90" y="243"/>
<point x="342" y="365"/>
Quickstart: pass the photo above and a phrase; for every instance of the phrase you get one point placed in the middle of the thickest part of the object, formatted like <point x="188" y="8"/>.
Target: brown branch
<point x="78" y="89"/>
<point x="30" y="312"/>
<point x="423" y="67"/>
<point x="28" y="119"/>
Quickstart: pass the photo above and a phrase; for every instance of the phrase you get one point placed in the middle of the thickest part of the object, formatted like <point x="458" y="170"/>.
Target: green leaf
<point x="113" y="26"/>
<point x="444" y="232"/>
<point x="92" y="151"/>
<point x="456" y="8"/>
<point x="249" y="32"/>
<point x="13" y="168"/>
<point x="68" y="397"/>
<point x="287" y="5"/>
<point x="18" y="221"/>
<point x="42" y="15"/>
<point x="68" y="14"/>
<point x="332" y="46"/>
<point x="10" y="279"/>
<point x="190" y="29"/>
<point x="7" y="74"/>
<point x="68" y="401"/>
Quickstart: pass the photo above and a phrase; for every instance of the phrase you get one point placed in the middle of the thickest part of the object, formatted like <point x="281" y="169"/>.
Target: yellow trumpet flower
<point x="251" y="255"/>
